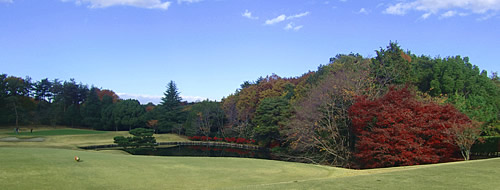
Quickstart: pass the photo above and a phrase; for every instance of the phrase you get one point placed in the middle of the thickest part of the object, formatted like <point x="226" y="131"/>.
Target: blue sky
<point x="209" y="47"/>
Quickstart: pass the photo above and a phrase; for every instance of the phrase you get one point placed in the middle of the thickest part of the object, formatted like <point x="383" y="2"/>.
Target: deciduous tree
<point x="398" y="130"/>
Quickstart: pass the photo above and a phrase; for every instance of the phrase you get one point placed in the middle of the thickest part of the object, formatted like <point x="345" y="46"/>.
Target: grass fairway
<point x="47" y="168"/>
<point x="50" y="168"/>
<point x="50" y="165"/>
<point x="476" y="174"/>
<point x="68" y="138"/>
<point x="57" y="132"/>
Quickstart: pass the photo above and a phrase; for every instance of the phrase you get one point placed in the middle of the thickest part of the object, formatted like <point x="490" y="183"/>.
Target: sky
<point x="210" y="47"/>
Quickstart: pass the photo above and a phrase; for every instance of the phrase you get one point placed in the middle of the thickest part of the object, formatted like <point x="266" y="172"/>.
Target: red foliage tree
<point x="398" y="130"/>
<point x="106" y="92"/>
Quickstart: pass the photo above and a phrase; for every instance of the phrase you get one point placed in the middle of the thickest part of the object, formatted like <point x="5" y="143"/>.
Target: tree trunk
<point x="17" y="115"/>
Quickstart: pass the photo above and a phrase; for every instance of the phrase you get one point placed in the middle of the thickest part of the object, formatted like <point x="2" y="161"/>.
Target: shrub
<point x="398" y="130"/>
<point x="490" y="145"/>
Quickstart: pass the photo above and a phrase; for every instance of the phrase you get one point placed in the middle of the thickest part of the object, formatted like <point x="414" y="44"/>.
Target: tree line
<point x="394" y="109"/>
<point x="398" y="108"/>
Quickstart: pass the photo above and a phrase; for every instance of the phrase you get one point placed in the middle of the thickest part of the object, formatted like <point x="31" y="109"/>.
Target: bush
<point x="399" y="130"/>
<point x="490" y="145"/>
<point x="141" y="138"/>
<point x="227" y="139"/>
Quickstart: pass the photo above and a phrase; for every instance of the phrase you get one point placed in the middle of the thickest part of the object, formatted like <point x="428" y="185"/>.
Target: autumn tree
<point x="205" y="118"/>
<point x="105" y="92"/>
<point x="320" y="129"/>
<point x="465" y="135"/>
<point x="398" y="130"/>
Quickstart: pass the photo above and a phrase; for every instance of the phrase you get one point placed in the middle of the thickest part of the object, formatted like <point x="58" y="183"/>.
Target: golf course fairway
<point x="50" y="164"/>
<point x="51" y="168"/>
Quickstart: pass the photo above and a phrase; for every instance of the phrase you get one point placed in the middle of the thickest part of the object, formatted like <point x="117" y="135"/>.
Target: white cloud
<point x="144" y="98"/>
<point x="283" y="17"/>
<point x="248" y="14"/>
<point x="448" y="14"/>
<point x="298" y="15"/>
<point x="278" y="19"/>
<point x="193" y="98"/>
<point x="486" y="17"/>
<point x="398" y="9"/>
<point x="298" y="27"/>
<point x="426" y="15"/>
<point x="148" y="4"/>
<point x="6" y="1"/>
<point x="362" y="11"/>
<point x="291" y="26"/>
<point x="188" y="1"/>
<point x="436" y="6"/>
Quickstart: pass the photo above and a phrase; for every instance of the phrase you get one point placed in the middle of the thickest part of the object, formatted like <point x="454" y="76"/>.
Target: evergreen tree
<point x="171" y="114"/>
<point x="172" y="98"/>
<point x="91" y="110"/>
<point x="128" y="114"/>
<point x="269" y="119"/>
<point x="107" y="107"/>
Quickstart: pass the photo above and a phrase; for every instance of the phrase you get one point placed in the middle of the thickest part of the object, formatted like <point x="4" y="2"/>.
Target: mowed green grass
<point x="56" y="132"/>
<point x="50" y="165"/>
<point x="50" y="168"/>
<point x="68" y="138"/>
<point x="476" y="174"/>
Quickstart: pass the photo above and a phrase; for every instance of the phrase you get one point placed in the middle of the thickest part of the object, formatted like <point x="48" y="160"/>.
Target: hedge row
<point x="491" y="144"/>
<point x="227" y="139"/>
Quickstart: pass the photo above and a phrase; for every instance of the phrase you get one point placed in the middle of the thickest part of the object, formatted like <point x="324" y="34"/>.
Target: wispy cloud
<point x="6" y="1"/>
<point x="448" y="14"/>
<point x="278" y="19"/>
<point x="188" y="1"/>
<point x="486" y="17"/>
<point x="144" y="98"/>
<point x="283" y="17"/>
<point x="248" y="14"/>
<point x="426" y="15"/>
<point x="193" y="98"/>
<point x="446" y="6"/>
<point x="148" y="4"/>
<point x="298" y="15"/>
<point x="363" y="11"/>
<point x="291" y="26"/>
<point x="398" y="9"/>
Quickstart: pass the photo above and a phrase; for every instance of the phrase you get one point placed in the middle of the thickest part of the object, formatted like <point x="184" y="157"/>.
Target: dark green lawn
<point x="56" y="132"/>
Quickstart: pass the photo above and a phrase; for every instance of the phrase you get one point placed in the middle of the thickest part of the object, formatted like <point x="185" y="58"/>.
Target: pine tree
<point x="170" y="110"/>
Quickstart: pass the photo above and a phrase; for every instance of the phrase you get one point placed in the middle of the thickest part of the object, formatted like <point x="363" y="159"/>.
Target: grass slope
<point x="57" y="132"/>
<point x="50" y="165"/>
<point x="47" y="168"/>
<point x="477" y="174"/>
<point x="72" y="138"/>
